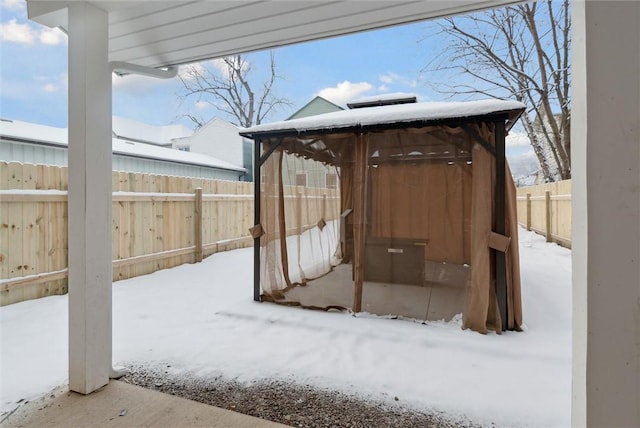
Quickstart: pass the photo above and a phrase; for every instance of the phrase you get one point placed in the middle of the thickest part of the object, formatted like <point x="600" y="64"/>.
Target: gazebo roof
<point x="391" y="116"/>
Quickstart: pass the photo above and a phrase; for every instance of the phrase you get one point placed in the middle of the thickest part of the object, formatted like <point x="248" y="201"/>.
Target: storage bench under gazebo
<point x="421" y="223"/>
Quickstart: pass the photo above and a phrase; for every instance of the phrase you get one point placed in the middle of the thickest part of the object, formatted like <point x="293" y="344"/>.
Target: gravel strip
<point x="279" y="401"/>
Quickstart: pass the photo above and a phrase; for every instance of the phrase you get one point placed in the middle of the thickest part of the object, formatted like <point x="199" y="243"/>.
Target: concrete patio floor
<point x="120" y="404"/>
<point x="441" y="296"/>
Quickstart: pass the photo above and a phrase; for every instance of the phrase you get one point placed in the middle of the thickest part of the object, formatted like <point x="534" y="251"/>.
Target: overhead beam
<point x="49" y="13"/>
<point x="123" y="68"/>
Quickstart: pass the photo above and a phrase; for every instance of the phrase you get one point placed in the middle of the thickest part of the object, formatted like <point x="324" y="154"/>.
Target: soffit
<point x="161" y="33"/>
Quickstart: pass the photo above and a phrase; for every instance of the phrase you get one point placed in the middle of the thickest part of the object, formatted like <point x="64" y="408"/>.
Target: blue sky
<point x="33" y="74"/>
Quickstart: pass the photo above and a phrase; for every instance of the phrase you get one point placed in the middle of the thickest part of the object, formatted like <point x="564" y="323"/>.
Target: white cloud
<point x="388" y="78"/>
<point x="345" y="91"/>
<point x="187" y="72"/>
<point x="216" y="66"/>
<point x="522" y="159"/>
<point x="25" y="34"/>
<point x="219" y="65"/>
<point x="18" y="33"/>
<point x="50" y="87"/>
<point x="52" y="36"/>
<point x="523" y="164"/>
<point x="223" y="68"/>
<point x="201" y="105"/>
<point x="517" y="139"/>
<point x="51" y="84"/>
<point x="383" y="88"/>
<point x="13" y="4"/>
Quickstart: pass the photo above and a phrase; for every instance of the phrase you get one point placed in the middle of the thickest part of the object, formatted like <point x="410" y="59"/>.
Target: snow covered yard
<point x="200" y="319"/>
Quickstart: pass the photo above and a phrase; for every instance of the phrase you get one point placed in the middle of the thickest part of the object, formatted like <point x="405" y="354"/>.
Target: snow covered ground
<point x="200" y="319"/>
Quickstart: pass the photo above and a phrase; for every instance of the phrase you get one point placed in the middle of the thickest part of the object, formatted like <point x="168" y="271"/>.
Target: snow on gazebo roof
<point x="426" y="112"/>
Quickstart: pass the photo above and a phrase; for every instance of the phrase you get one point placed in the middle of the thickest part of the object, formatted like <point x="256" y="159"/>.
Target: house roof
<point x="162" y="33"/>
<point x="317" y="105"/>
<point x="215" y="122"/>
<point x="47" y="135"/>
<point x="398" y="114"/>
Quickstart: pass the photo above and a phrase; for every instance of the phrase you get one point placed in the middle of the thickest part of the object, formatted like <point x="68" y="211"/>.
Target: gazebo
<point x="423" y="224"/>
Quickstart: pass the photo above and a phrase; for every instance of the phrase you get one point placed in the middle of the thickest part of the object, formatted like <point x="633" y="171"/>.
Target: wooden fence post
<point x="197" y="212"/>
<point x="528" y="211"/>
<point x="547" y="203"/>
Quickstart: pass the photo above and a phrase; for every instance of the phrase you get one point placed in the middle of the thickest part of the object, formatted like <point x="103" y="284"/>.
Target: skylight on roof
<point x="383" y="100"/>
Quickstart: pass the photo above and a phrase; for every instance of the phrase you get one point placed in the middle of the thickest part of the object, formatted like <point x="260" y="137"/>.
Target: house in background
<point x="39" y="144"/>
<point x="139" y="132"/>
<point x="220" y="139"/>
<point x="305" y="172"/>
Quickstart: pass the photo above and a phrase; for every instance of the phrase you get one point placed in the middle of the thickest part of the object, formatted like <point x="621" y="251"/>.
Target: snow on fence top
<point x="388" y="114"/>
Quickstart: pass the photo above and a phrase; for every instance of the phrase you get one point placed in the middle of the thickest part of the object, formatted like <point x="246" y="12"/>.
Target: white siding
<point x="219" y="139"/>
<point x="51" y="155"/>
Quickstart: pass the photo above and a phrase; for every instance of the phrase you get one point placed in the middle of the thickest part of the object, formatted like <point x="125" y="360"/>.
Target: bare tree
<point x="520" y="52"/>
<point x="229" y="86"/>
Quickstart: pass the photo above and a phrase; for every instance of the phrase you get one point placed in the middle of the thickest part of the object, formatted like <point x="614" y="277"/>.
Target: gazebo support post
<point x="257" y="179"/>
<point x="359" y="203"/>
<point x="500" y="227"/>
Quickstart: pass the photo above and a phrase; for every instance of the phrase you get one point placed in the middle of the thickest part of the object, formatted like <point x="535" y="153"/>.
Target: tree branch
<point x="228" y="85"/>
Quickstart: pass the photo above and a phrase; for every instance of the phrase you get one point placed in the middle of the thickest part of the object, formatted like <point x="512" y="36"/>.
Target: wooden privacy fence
<point x="158" y="222"/>
<point x="546" y="209"/>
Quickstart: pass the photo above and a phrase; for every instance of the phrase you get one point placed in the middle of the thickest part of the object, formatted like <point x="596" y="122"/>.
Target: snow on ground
<point x="200" y="319"/>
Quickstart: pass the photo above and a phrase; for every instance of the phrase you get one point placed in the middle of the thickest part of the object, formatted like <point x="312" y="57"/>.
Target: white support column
<point x="606" y="235"/>
<point x="579" y="216"/>
<point x="90" y="271"/>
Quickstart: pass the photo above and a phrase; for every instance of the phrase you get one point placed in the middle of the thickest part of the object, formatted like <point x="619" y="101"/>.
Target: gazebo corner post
<point x="89" y="202"/>
<point x="500" y="227"/>
<point x="257" y="178"/>
<point x="359" y="206"/>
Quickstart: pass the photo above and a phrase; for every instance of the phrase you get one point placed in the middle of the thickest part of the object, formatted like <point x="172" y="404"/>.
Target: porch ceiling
<point x="162" y="33"/>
